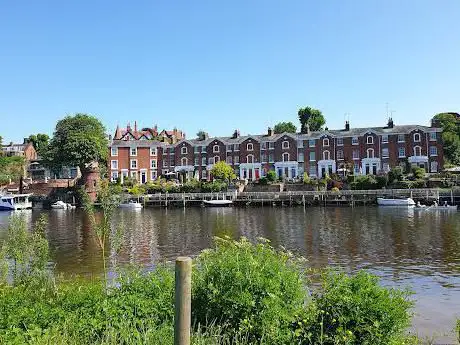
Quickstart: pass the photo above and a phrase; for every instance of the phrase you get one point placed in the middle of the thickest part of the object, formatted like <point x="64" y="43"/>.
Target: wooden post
<point x="183" y="301"/>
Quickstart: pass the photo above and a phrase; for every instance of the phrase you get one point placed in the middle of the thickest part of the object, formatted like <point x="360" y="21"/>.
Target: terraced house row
<point x="145" y="154"/>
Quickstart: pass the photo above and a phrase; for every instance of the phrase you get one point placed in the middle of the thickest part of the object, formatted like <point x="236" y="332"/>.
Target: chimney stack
<point x="128" y="127"/>
<point x="270" y="132"/>
<point x="236" y="134"/>
<point x="390" y="123"/>
<point x="135" y="126"/>
<point x="347" y="126"/>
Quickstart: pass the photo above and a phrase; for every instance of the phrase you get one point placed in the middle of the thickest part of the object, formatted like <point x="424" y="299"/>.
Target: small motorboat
<point x="61" y="205"/>
<point x="437" y="207"/>
<point x="134" y="205"/>
<point x="395" y="202"/>
<point x="12" y="202"/>
<point x="220" y="203"/>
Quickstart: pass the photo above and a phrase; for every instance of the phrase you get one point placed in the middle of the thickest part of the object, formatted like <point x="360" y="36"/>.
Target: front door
<point x="257" y="173"/>
<point x="143" y="177"/>
<point x="250" y="174"/>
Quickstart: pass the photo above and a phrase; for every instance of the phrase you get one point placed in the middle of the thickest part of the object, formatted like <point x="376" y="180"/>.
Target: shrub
<point x="306" y="178"/>
<point x="271" y="176"/>
<point x="382" y="181"/>
<point x="263" y="181"/>
<point x="190" y="186"/>
<point x="248" y="289"/>
<point x="419" y="173"/>
<point x="395" y="174"/>
<point x="355" y="310"/>
<point x="214" y="186"/>
<point x="364" y="182"/>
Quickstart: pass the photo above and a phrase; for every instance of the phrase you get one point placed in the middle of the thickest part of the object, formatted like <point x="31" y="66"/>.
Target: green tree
<point x="285" y="127"/>
<point x="312" y="118"/>
<point x="201" y="134"/>
<point x="222" y="171"/>
<point x="271" y="176"/>
<point x="450" y="136"/>
<point x="78" y="141"/>
<point x="40" y="142"/>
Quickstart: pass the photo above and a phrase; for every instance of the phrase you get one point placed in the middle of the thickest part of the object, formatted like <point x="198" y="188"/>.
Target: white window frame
<point x="419" y="137"/>
<point x="310" y="142"/>
<point x="153" y="175"/>
<point x="419" y="149"/>
<point x="339" y="154"/>
<point x="182" y="160"/>
<point x="368" y="151"/>
<point x="324" y="142"/>
<point x="371" y="141"/>
<point x="131" y="164"/>
<point x="300" y="157"/>
<point x="114" y="176"/>
<point x="131" y="151"/>
<point x="133" y="174"/>
<point x="203" y="161"/>
<point x="399" y="152"/>
<point x="433" y="136"/>
<point x="434" y="164"/>
<point x="250" y="147"/>
<point x="184" y="150"/>
<point x="385" y="152"/>
<point x="236" y="159"/>
<point x="399" y="138"/>
<point x="214" y="150"/>
<point x="385" y="139"/>
<point x="112" y="167"/>
<point x="196" y="161"/>
<point x="153" y="151"/>
<point x="340" y="141"/>
<point x="328" y="155"/>
<point x="250" y="161"/>
<point x="435" y="149"/>
<point x="285" y="154"/>
<point x="285" y="145"/>
<point x="271" y="145"/>
<point x="300" y="144"/>
<point x="236" y="147"/>
<point x="354" y="141"/>
<point x="204" y="174"/>
<point x="271" y="157"/>
<point x="229" y="160"/>
<point x="354" y="155"/>
<point x="216" y="159"/>
<point x="153" y="164"/>
<point x="114" y="151"/>
<point x="314" y="156"/>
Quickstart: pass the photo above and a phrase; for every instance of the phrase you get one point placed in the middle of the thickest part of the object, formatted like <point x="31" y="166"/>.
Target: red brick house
<point x="147" y="154"/>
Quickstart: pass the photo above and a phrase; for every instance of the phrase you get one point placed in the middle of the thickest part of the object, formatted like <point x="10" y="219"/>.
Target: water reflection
<point x="406" y="247"/>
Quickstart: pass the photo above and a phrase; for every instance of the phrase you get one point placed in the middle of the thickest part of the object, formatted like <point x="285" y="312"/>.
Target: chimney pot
<point x="271" y="132"/>
<point x="347" y="125"/>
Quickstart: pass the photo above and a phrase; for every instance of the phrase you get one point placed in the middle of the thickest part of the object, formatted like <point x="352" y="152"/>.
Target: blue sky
<point x="221" y="65"/>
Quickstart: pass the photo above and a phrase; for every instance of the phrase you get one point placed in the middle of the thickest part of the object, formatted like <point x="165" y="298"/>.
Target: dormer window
<point x="183" y="150"/>
<point x="325" y="142"/>
<point x="285" y="144"/>
<point x="416" y="137"/>
<point x="215" y="149"/>
<point x="370" y="139"/>
<point x="250" y="147"/>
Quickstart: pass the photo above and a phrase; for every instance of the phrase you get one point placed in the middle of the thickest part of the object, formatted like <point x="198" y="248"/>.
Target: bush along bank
<point x="242" y="293"/>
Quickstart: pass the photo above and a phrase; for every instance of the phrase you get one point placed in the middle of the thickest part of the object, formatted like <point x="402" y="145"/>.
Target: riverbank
<point x="242" y="293"/>
<point x="405" y="248"/>
<point x="300" y="198"/>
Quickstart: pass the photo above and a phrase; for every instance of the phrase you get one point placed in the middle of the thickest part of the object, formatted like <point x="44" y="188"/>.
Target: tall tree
<point x="285" y="127"/>
<point x="311" y="118"/>
<point x="40" y="142"/>
<point x="78" y="141"/>
<point x="450" y="136"/>
<point x="1" y="145"/>
<point x="200" y="134"/>
<point x="222" y="171"/>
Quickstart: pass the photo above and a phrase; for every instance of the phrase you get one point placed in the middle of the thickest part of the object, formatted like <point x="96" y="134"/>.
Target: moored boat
<point x="395" y="202"/>
<point x="217" y="202"/>
<point x="131" y="205"/>
<point x="14" y="202"/>
<point x="61" y="205"/>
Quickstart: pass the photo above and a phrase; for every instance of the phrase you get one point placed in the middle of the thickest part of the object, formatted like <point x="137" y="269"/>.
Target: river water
<point x="405" y="247"/>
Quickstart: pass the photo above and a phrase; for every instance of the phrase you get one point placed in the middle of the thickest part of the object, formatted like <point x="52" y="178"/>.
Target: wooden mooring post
<point x="183" y="301"/>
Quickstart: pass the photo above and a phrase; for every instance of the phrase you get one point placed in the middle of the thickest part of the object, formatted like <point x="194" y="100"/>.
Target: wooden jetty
<point x="302" y="198"/>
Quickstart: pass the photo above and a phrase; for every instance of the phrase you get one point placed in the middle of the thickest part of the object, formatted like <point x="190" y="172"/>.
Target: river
<point x="405" y="247"/>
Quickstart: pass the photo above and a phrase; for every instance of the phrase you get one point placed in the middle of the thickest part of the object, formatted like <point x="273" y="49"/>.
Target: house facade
<point x="359" y="150"/>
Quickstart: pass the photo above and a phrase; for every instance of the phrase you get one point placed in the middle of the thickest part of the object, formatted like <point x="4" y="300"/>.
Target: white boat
<point x="14" y="202"/>
<point x="395" y="202"/>
<point x="438" y="208"/>
<point x="131" y="205"/>
<point x="61" y="205"/>
<point x="217" y="202"/>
